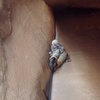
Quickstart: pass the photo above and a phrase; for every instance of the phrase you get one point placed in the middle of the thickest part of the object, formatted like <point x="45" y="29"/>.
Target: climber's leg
<point x="51" y="63"/>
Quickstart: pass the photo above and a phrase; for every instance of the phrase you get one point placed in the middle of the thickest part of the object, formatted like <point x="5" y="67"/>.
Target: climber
<point x="58" y="55"/>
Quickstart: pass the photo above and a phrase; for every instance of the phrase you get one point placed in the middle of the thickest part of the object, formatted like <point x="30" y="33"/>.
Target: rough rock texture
<point x="79" y="79"/>
<point x="2" y="72"/>
<point x="5" y="18"/>
<point x="5" y="29"/>
<point x="27" y="50"/>
<point x="74" y="3"/>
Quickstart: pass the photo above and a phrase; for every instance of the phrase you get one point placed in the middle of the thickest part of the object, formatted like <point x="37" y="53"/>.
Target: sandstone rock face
<point x="26" y="50"/>
<point x="2" y="72"/>
<point x="74" y="3"/>
<point x="5" y="29"/>
<point x="5" y="18"/>
<point x="79" y="79"/>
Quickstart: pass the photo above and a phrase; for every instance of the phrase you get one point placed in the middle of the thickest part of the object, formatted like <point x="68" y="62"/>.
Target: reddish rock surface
<point x="74" y="3"/>
<point x="79" y="79"/>
<point x="5" y="18"/>
<point x="5" y="30"/>
<point x="27" y="50"/>
<point x="2" y="72"/>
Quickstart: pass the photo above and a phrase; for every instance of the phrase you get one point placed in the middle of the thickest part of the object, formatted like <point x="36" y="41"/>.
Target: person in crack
<point x="58" y="55"/>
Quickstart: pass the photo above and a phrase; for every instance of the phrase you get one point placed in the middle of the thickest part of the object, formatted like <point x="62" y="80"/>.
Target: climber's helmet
<point x="54" y="42"/>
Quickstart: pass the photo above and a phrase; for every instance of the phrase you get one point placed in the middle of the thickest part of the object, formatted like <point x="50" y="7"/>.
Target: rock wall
<point x="2" y="72"/>
<point x="74" y="3"/>
<point x="5" y="18"/>
<point x="79" y="32"/>
<point x="5" y="30"/>
<point x="26" y="49"/>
